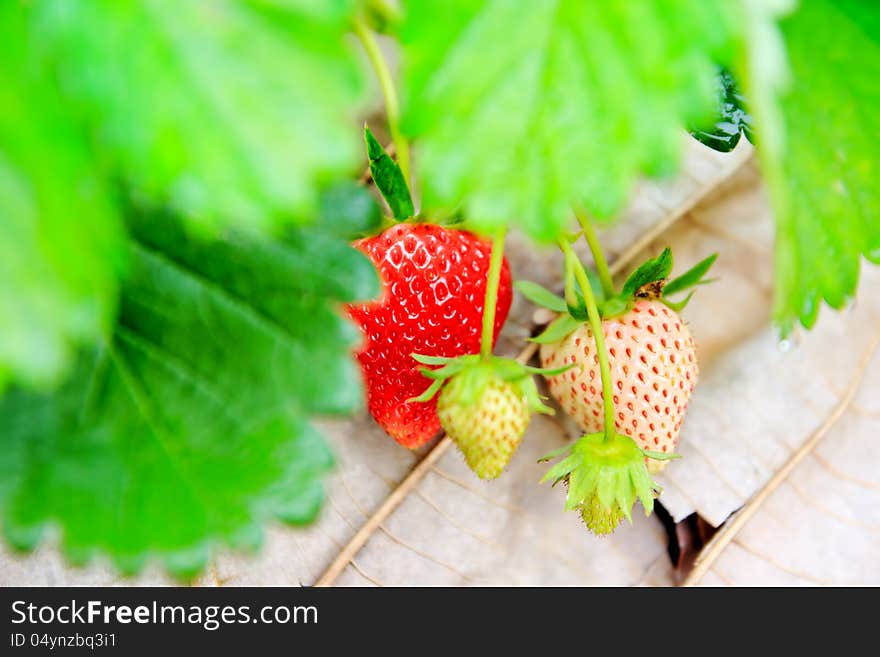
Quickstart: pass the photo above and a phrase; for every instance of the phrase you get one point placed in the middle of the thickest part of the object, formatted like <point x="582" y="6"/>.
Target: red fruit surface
<point x="653" y="364"/>
<point x="433" y="289"/>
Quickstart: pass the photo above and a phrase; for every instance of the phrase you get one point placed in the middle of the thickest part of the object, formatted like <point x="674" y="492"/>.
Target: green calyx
<point x="604" y="479"/>
<point x="474" y="373"/>
<point x="650" y="280"/>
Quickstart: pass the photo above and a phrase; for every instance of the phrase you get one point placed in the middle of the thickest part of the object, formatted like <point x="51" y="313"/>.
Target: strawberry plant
<point x="192" y="269"/>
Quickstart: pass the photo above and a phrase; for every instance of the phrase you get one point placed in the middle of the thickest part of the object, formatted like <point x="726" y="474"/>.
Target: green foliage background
<point x="174" y="235"/>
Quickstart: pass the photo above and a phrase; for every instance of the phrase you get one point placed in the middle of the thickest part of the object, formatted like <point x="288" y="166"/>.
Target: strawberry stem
<point x="493" y="280"/>
<point x="596" y="250"/>
<point x="389" y="92"/>
<point x="573" y="262"/>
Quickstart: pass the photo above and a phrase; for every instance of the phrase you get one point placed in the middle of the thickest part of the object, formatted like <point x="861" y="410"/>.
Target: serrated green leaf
<point x="228" y="111"/>
<point x="823" y="179"/>
<point x="731" y="119"/>
<point x="558" y="329"/>
<point x="189" y="426"/>
<point x="654" y="269"/>
<point x="541" y="296"/>
<point x="61" y="241"/>
<point x="388" y="178"/>
<point x="521" y="108"/>
<point x="692" y="277"/>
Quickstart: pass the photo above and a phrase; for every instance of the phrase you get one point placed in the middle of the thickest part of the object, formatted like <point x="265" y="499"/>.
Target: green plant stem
<point x="493" y="280"/>
<point x="389" y="92"/>
<point x="580" y="274"/>
<point x="596" y="250"/>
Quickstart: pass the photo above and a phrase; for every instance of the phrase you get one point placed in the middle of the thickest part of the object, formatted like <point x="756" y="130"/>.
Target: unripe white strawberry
<point x="627" y="387"/>
<point x="653" y="365"/>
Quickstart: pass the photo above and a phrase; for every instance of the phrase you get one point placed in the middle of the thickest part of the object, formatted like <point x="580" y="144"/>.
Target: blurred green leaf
<point x="228" y="111"/>
<point x="348" y="209"/>
<point x="523" y="108"/>
<point x="541" y="296"/>
<point x="61" y="245"/>
<point x="190" y="425"/>
<point x="824" y="180"/>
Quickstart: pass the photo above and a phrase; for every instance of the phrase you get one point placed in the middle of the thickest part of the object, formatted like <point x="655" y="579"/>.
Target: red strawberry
<point x="653" y="372"/>
<point x="434" y="284"/>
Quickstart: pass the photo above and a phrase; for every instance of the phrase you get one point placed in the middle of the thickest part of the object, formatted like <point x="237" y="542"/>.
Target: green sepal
<point x="604" y="477"/>
<point x="477" y="373"/>
<point x="429" y="393"/>
<point x="507" y="369"/>
<point x="529" y="391"/>
<point x="595" y="285"/>
<point x="450" y="367"/>
<point x="575" y="304"/>
<point x="388" y="178"/>
<point x="615" y="306"/>
<point x="541" y="296"/>
<point x="561" y="470"/>
<point x="432" y="360"/>
<point x="557" y="330"/>
<point x="512" y="371"/>
<point x="578" y="310"/>
<point x="691" y="278"/>
<point x="653" y="270"/>
<point x="548" y="371"/>
<point x="446" y="371"/>
<point x="678" y="306"/>
<point x="552" y="454"/>
<point x="650" y="271"/>
<point x="660" y="456"/>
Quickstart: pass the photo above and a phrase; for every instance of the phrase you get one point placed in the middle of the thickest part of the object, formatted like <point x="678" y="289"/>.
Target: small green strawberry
<point x="484" y="407"/>
<point x="489" y="428"/>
